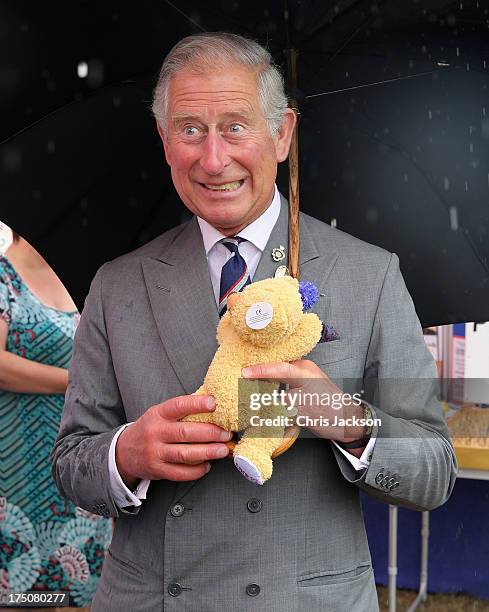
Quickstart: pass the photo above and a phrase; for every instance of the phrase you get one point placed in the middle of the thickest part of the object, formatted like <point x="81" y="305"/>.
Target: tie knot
<point x="232" y="243"/>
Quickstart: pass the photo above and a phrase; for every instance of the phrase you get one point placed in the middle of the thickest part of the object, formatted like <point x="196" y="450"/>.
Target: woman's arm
<point x="25" y="376"/>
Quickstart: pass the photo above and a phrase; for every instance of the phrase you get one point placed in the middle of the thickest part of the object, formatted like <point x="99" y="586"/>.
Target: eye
<point x="236" y="128"/>
<point x="190" y="130"/>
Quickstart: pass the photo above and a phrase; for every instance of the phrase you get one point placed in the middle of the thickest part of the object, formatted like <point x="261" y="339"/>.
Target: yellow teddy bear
<point x="264" y="323"/>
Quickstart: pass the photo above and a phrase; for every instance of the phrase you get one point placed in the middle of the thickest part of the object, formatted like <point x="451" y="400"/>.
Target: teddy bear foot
<point x="257" y="470"/>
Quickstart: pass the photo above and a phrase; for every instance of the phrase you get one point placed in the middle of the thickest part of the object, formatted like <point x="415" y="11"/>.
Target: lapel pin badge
<point x="278" y="253"/>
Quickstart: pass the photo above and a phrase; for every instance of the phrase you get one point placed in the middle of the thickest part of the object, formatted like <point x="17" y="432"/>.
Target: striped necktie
<point x="234" y="273"/>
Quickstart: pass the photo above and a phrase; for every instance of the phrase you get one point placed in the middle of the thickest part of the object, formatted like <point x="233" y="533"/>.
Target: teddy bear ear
<point x="309" y="294"/>
<point x="291" y="280"/>
<point x="232" y="299"/>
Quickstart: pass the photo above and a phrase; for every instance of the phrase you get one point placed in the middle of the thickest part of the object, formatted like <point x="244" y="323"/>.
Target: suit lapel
<point x="316" y="262"/>
<point x="183" y="305"/>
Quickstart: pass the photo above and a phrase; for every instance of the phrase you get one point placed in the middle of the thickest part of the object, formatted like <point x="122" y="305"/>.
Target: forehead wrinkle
<point x="195" y="109"/>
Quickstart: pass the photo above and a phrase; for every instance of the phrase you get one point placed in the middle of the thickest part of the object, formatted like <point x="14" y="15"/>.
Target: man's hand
<point x="305" y="377"/>
<point x="158" y="445"/>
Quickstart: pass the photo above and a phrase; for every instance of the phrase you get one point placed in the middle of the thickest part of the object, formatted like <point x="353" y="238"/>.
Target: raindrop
<point x="423" y="49"/>
<point x="451" y="19"/>
<point x="347" y="75"/>
<point x="82" y="69"/>
<point x="51" y="146"/>
<point x="372" y="215"/>
<point x="446" y="184"/>
<point x="458" y="52"/>
<point x="11" y="159"/>
<point x="466" y="186"/>
<point x="405" y="178"/>
<point x="461" y="6"/>
<point x="333" y="222"/>
<point x="468" y="66"/>
<point x="471" y="147"/>
<point x="430" y="116"/>
<point x="453" y="218"/>
<point x="484" y="63"/>
<point x="470" y="129"/>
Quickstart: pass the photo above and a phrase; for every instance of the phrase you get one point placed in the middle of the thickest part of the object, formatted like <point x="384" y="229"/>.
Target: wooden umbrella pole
<point x="294" y="235"/>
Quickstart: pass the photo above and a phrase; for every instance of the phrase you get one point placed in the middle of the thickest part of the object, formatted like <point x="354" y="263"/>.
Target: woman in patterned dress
<point x="46" y="543"/>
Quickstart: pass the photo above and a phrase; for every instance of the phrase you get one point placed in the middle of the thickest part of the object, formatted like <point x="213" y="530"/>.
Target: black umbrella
<point x="87" y="183"/>
<point x="393" y="148"/>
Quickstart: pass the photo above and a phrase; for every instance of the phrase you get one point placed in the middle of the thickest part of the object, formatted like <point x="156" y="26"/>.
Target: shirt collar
<point x="257" y="232"/>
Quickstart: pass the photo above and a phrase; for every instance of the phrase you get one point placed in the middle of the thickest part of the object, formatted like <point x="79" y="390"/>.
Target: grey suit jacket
<point x="147" y="333"/>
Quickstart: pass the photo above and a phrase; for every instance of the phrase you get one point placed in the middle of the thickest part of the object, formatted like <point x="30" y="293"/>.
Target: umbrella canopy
<point x="394" y="148"/>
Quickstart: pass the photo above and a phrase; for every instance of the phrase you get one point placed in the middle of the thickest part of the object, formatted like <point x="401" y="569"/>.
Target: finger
<point x="181" y="473"/>
<point x="182" y="431"/>
<point x="292" y="373"/>
<point x="280" y="371"/>
<point x="178" y="407"/>
<point x="193" y="453"/>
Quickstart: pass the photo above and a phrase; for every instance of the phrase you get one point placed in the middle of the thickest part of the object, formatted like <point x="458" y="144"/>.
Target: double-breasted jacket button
<point x="177" y="510"/>
<point x="253" y="590"/>
<point x="254" y="504"/>
<point x="174" y="589"/>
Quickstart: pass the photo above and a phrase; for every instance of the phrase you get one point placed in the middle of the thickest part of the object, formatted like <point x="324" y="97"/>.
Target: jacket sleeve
<point x="413" y="463"/>
<point x="93" y="413"/>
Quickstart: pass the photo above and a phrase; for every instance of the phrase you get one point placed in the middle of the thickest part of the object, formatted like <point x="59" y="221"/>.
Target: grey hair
<point x="220" y="49"/>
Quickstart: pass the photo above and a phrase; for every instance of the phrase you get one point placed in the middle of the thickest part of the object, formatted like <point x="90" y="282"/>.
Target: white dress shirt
<point x="256" y="235"/>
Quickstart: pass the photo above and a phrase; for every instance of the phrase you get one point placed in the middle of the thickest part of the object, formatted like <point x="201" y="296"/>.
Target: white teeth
<point x="225" y="187"/>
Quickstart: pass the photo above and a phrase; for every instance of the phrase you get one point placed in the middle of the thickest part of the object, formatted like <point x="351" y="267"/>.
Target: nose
<point x="214" y="158"/>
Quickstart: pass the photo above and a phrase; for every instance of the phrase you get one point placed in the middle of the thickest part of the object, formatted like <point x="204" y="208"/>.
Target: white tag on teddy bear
<point x="259" y="315"/>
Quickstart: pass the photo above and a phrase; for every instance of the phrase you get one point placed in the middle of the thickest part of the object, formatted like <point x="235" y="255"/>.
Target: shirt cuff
<point x="362" y="462"/>
<point x="122" y="495"/>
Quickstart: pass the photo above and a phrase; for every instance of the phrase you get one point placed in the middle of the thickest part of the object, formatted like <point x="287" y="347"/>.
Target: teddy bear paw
<point x="257" y="472"/>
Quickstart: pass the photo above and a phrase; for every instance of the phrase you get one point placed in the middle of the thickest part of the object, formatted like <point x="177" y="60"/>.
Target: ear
<point x="165" y="143"/>
<point x="284" y="137"/>
<point x="291" y="280"/>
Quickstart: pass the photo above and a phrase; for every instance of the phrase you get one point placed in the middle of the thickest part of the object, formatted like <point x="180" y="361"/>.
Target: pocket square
<point x="329" y="334"/>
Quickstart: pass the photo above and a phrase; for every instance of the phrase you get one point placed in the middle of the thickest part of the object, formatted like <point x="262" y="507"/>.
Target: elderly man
<point x="191" y="533"/>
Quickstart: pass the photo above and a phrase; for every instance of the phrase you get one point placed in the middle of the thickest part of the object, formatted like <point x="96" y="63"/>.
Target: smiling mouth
<point x="224" y="186"/>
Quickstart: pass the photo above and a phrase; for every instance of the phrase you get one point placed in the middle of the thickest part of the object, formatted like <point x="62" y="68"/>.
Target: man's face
<point x="217" y="142"/>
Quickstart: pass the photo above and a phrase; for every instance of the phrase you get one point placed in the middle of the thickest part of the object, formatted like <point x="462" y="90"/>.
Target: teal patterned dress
<point x="46" y="542"/>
